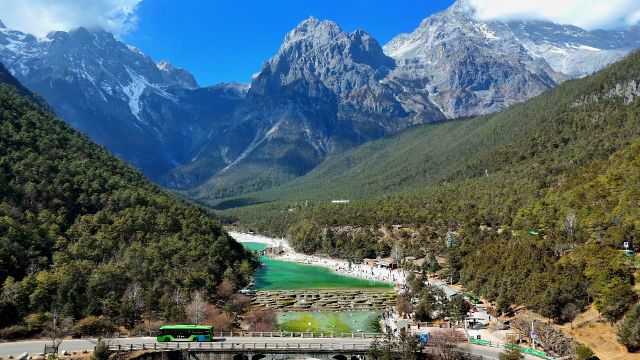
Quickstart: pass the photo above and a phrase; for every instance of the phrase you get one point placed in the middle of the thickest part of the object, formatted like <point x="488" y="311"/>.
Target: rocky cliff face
<point x="626" y="91"/>
<point x="469" y="67"/>
<point x="322" y="93"/>
<point x="466" y="67"/>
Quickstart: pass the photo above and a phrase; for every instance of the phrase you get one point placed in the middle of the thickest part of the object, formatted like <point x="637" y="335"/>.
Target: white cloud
<point x="39" y="17"/>
<point x="588" y="14"/>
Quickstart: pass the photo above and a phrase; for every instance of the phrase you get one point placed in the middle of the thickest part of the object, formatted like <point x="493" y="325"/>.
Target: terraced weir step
<point x="325" y="300"/>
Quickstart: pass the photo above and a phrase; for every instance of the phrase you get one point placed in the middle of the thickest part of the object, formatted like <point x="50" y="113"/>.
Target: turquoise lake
<point x="285" y="275"/>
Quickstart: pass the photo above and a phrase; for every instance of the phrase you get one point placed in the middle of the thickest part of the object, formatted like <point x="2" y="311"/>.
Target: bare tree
<point x="444" y="342"/>
<point x="451" y="240"/>
<point x="134" y="301"/>
<point x="58" y="329"/>
<point x="261" y="320"/>
<point x="134" y="295"/>
<point x="571" y="224"/>
<point x="396" y="253"/>
<point x="404" y="306"/>
<point x="197" y="309"/>
<point x="178" y="298"/>
<point x="225" y="290"/>
<point x="11" y="290"/>
<point x="221" y="321"/>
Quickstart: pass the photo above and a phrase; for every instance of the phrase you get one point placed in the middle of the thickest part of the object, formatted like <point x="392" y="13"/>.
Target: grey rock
<point x="322" y="93"/>
<point x="469" y="67"/>
<point x="628" y="92"/>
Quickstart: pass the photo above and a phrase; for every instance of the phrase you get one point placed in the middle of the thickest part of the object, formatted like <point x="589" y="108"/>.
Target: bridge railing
<point x="219" y="346"/>
<point x="288" y="334"/>
<point x="273" y="334"/>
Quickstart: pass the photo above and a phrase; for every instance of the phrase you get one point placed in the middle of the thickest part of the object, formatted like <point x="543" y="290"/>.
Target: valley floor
<point x="587" y="328"/>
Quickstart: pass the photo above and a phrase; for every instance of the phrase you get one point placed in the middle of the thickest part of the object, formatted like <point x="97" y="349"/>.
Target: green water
<point x="254" y="246"/>
<point x="330" y="322"/>
<point x="285" y="275"/>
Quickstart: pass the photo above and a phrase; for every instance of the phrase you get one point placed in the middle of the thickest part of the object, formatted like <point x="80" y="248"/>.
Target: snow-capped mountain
<point x="469" y="67"/>
<point x="324" y="91"/>
<point x="573" y="51"/>
<point x="139" y="110"/>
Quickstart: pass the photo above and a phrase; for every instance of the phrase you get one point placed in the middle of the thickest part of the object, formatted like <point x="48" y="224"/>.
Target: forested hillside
<point x="82" y="233"/>
<point x="536" y="202"/>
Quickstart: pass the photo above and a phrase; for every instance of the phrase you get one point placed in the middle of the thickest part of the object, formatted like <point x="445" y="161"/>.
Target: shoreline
<point x="343" y="267"/>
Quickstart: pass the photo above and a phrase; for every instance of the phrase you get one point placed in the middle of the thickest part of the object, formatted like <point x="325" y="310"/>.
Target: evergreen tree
<point x="629" y="330"/>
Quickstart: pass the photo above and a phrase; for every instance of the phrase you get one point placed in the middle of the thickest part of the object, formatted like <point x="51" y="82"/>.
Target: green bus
<point x="185" y="333"/>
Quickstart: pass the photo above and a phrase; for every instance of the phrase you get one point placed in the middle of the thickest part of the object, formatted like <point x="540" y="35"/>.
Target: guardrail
<point x="523" y="349"/>
<point x="311" y="335"/>
<point x="219" y="346"/>
<point x="272" y="334"/>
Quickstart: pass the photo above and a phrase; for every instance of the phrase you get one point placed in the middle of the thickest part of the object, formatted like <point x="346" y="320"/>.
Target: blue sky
<point x="221" y="41"/>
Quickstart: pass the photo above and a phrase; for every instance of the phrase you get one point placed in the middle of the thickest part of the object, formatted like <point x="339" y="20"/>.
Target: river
<point x="286" y="275"/>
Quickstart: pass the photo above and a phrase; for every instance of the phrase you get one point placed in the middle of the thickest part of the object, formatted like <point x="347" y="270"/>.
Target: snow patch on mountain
<point x="136" y="88"/>
<point x="254" y="144"/>
<point x="488" y="33"/>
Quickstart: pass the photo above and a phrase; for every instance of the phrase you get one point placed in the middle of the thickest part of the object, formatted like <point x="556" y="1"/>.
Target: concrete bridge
<point x="245" y="351"/>
<point x="325" y="300"/>
<point x="226" y="348"/>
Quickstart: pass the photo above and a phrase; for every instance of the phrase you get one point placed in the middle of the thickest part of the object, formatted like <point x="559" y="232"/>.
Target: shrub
<point x="15" y="332"/>
<point x="583" y="352"/>
<point x="36" y="322"/>
<point x="513" y="354"/>
<point x="101" y="351"/>
<point x="93" y="325"/>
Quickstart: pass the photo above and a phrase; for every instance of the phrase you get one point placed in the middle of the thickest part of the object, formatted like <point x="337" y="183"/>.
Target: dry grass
<point x="599" y="336"/>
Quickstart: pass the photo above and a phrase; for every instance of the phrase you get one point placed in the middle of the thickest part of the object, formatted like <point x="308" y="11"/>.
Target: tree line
<point x="83" y="234"/>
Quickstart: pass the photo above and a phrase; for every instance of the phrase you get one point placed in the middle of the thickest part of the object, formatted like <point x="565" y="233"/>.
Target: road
<point x="77" y="345"/>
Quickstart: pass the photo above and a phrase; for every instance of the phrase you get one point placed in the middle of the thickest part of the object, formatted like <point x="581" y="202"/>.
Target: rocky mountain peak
<point x="465" y="66"/>
<point x="165" y="65"/>
<point x="460" y="8"/>
<point x="176" y="75"/>
<point x="321" y="53"/>
<point x="2" y="25"/>
<point x="313" y="30"/>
